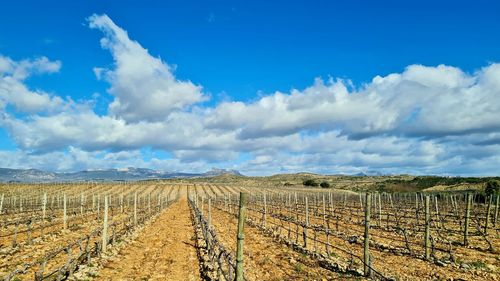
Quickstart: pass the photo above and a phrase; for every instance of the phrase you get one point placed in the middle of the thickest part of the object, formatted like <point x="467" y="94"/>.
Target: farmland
<point x="186" y="230"/>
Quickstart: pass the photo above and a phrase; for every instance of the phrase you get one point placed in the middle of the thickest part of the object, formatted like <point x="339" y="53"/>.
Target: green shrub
<point x="324" y="184"/>
<point x="492" y="187"/>
<point x="310" y="182"/>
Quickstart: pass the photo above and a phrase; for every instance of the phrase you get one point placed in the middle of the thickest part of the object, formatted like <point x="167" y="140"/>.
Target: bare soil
<point x="266" y="259"/>
<point x="162" y="251"/>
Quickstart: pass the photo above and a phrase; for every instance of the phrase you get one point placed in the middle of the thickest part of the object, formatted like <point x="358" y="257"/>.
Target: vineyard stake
<point x="324" y="210"/>
<point x="416" y="207"/>
<point x="105" y="226"/>
<point x="494" y="221"/>
<point x="307" y="224"/>
<point x="367" y="235"/>
<point x="467" y="218"/>
<point x="65" y="217"/>
<point x="1" y="203"/>
<point x="487" y="216"/>
<point x="265" y="211"/>
<point x="81" y="204"/>
<point x="437" y="210"/>
<point x="149" y="203"/>
<point x="202" y="205"/>
<point x="98" y="205"/>
<point x="240" y="237"/>
<point x="135" y="208"/>
<point x="297" y="218"/>
<point x="209" y="212"/>
<point x="379" y="209"/>
<point x="44" y="203"/>
<point x="427" y="228"/>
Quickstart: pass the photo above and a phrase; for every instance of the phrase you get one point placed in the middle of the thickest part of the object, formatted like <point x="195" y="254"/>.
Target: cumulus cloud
<point x="421" y="101"/>
<point x="144" y="86"/>
<point x="14" y="92"/>
<point x="425" y="119"/>
<point x="75" y="159"/>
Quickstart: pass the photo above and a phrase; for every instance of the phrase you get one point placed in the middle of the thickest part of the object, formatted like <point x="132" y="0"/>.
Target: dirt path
<point x="163" y="251"/>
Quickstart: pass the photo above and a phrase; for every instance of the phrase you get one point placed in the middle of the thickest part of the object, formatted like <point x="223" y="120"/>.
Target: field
<point x="187" y="230"/>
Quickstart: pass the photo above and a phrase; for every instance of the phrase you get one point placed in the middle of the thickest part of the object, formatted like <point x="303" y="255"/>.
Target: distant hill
<point x="125" y="174"/>
<point x="218" y="172"/>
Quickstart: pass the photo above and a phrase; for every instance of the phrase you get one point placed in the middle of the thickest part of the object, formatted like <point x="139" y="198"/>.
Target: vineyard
<point x="165" y="231"/>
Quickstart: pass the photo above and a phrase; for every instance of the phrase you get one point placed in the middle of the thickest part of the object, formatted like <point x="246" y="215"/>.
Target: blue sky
<point x="237" y="84"/>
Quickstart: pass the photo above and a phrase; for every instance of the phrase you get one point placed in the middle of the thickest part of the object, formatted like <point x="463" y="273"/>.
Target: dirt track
<point x="163" y="251"/>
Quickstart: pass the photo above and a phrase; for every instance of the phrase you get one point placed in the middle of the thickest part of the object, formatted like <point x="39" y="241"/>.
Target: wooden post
<point x="324" y="210"/>
<point x="326" y="223"/>
<point x="121" y="203"/>
<point x="379" y="210"/>
<point x="494" y="220"/>
<point x="367" y="235"/>
<point x="149" y="203"/>
<point x="416" y="208"/>
<point x="487" y="215"/>
<point x="296" y="218"/>
<point x="209" y="212"/>
<point x="437" y="211"/>
<point x="105" y="226"/>
<point x="65" y="217"/>
<point x="427" y="228"/>
<point x="240" y="237"/>
<point x="307" y="224"/>
<point x="467" y="218"/>
<point x="1" y="202"/>
<point x="81" y="204"/>
<point x="44" y="203"/>
<point x="265" y="211"/>
<point x="135" y="208"/>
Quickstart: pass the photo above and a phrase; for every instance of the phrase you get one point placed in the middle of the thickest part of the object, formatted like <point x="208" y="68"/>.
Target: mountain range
<point x="125" y="174"/>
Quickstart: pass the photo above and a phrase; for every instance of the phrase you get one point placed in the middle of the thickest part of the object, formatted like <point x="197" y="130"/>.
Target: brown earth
<point x="265" y="259"/>
<point x="162" y="251"/>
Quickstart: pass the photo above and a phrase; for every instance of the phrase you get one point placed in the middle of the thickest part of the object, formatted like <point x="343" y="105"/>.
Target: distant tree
<point x="310" y="182"/>
<point x="492" y="187"/>
<point x="324" y="184"/>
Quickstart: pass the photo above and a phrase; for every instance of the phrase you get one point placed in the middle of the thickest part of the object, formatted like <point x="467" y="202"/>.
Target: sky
<point x="262" y="87"/>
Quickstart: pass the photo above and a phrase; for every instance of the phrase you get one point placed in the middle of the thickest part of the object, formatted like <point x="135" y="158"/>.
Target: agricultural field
<point x="187" y="230"/>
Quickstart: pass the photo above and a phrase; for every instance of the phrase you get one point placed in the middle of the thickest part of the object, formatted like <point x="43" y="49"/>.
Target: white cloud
<point x="75" y="159"/>
<point x="423" y="120"/>
<point x="22" y="69"/>
<point x="421" y="101"/>
<point x="14" y="92"/>
<point x="144" y="86"/>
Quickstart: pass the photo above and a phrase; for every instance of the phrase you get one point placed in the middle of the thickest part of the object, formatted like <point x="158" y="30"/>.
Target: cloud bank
<point x="426" y="119"/>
